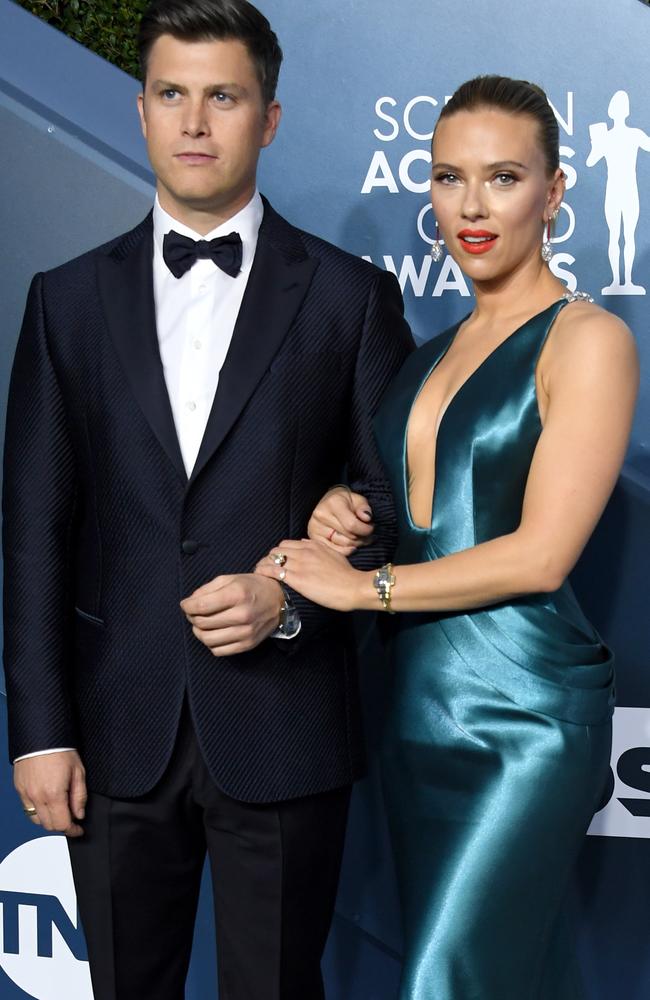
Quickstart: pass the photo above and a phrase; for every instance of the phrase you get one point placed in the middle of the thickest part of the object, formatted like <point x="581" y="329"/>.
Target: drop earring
<point x="437" y="252"/>
<point x="547" y="249"/>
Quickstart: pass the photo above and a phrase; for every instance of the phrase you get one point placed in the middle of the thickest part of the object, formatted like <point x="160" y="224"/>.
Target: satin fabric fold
<point x="497" y="742"/>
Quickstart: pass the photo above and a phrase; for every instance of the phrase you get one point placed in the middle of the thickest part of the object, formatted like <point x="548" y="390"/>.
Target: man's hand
<point x="55" y="785"/>
<point x="232" y="614"/>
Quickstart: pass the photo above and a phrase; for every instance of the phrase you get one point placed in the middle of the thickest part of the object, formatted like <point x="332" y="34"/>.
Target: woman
<point x="504" y="437"/>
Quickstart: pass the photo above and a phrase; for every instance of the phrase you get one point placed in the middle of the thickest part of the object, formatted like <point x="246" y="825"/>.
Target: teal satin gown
<point x="497" y="742"/>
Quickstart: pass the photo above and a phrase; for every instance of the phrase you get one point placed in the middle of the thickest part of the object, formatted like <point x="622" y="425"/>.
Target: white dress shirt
<point x="195" y="320"/>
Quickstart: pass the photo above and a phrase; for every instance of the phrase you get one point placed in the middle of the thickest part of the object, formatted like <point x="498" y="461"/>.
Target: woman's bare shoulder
<point x="586" y="332"/>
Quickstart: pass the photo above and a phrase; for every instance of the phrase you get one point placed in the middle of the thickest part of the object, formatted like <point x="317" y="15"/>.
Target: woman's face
<point x="491" y="192"/>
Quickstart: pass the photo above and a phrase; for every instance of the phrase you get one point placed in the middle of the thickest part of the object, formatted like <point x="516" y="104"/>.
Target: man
<point x="180" y="399"/>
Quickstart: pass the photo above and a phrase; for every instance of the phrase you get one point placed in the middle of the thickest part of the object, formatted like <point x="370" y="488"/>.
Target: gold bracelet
<point x="384" y="582"/>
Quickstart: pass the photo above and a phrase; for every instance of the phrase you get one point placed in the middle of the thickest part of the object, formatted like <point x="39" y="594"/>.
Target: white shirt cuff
<point x="43" y="753"/>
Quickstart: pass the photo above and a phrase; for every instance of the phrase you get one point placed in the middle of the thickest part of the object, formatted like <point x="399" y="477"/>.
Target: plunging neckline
<point x="454" y="333"/>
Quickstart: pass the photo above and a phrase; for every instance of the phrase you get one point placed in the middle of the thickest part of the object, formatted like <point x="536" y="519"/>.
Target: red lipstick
<point x="477" y="241"/>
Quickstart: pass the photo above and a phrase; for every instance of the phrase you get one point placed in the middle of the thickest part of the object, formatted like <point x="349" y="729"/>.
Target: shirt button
<point x="190" y="407"/>
<point x="202" y="288"/>
<point x="189" y="546"/>
<point x="197" y="345"/>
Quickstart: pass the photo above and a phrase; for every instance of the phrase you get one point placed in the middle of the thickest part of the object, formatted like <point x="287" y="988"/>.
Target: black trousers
<point x="274" y="868"/>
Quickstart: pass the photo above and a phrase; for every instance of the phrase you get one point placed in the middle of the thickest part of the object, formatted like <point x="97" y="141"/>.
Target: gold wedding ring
<point x="278" y="558"/>
<point x="30" y="810"/>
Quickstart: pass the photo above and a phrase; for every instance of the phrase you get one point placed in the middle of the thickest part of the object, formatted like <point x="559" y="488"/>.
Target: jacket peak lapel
<point x="278" y="282"/>
<point x="125" y="276"/>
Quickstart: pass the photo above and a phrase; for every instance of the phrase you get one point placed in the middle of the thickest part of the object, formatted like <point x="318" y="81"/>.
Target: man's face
<point x="204" y="119"/>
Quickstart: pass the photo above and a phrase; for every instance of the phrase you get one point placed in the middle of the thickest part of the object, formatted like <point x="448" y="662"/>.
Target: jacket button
<point x="189" y="546"/>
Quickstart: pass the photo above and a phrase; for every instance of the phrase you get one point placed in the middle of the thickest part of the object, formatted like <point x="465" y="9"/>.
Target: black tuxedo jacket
<point x="104" y="534"/>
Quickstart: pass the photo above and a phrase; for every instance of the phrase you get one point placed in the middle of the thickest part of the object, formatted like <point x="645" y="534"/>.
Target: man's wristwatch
<point x="290" y="624"/>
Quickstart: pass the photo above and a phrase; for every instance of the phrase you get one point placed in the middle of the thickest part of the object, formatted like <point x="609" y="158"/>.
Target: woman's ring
<point x="30" y="810"/>
<point x="282" y="574"/>
<point x="278" y="558"/>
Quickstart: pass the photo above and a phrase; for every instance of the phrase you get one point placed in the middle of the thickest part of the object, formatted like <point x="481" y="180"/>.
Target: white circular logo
<point x="42" y="948"/>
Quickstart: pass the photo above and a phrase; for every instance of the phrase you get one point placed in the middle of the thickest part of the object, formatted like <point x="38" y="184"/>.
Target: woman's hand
<point x="343" y="520"/>
<point x="318" y="572"/>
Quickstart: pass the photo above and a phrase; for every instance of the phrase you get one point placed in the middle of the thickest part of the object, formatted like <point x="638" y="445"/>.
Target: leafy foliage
<point x="108" y="27"/>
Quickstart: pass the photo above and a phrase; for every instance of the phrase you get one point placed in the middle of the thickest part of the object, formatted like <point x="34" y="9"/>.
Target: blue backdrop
<point x="361" y="88"/>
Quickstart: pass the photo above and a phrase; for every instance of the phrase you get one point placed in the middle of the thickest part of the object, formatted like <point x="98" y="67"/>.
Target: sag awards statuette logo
<point x="42" y="948"/>
<point x="619" y="146"/>
<point x="626" y="810"/>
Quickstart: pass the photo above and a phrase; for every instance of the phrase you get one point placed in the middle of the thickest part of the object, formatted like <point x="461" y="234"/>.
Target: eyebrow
<point x="210" y="89"/>
<point x="507" y="163"/>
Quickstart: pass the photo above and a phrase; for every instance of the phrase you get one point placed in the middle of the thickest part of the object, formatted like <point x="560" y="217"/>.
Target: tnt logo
<point x="626" y="811"/>
<point x="42" y="948"/>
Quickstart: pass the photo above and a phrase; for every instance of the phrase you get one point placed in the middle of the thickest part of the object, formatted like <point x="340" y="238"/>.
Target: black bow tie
<point x="181" y="252"/>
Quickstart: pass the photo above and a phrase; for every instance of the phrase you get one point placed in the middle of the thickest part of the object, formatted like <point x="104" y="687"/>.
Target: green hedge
<point x="108" y="27"/>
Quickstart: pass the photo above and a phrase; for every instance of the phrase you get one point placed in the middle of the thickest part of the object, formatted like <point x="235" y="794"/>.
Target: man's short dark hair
<point x="215" y="20"/>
